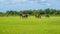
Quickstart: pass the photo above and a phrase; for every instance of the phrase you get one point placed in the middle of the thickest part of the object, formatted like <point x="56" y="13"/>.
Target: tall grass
<point x="30" y="25"/>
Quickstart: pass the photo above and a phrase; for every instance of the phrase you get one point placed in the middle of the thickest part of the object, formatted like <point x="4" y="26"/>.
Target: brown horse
<point x="38" y="16"/>
<point x="24" y="15"/>
<point x="46" y="15"/>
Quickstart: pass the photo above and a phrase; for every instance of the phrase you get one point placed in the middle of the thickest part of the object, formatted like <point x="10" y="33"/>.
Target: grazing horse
<point x="46" y="15"/>
<point x="38" y="16"/>
<point x="24" y="15"/>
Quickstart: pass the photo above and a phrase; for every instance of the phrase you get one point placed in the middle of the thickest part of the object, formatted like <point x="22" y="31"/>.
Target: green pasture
<point x="30" y="25"/>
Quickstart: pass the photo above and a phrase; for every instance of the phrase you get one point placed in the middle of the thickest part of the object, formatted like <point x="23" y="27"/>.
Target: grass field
<point x="30" y="25"/>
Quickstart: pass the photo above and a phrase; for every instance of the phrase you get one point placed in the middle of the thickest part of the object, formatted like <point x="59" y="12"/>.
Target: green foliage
<point x="31" y="12"/>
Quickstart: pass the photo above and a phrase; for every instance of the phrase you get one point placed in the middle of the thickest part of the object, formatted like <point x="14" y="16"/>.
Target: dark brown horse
<point x="24" y="15"/>
<point x="46" y="15"/>
<point x="38" y="16"/>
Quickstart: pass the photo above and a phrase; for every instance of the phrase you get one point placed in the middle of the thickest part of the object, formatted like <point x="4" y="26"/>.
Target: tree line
<point x="30" y="12"/>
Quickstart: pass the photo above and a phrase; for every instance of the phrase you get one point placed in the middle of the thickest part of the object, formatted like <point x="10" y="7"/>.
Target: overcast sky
<point x="28" y="4"/>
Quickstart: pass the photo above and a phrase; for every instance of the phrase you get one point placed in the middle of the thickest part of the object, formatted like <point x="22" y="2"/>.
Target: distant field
<point x="30" y="25"/>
